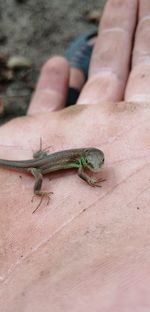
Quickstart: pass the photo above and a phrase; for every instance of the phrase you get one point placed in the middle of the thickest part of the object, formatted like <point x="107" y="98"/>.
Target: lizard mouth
<point x="97" y="169"/>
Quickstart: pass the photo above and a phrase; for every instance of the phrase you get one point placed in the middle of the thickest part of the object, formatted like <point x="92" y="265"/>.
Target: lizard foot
<point x="42" y="194"/>
<point x="95" y="182"/>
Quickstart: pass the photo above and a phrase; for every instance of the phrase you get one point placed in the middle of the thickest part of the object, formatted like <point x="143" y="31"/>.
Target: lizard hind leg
<point x="37" y="187"/>
<point x="42" y="152"/>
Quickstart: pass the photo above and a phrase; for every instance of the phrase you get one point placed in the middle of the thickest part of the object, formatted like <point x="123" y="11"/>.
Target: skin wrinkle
<point x="123" y="181"/>
<point x="104" y="72"/>
<point x="43" y="243"/>
<point x="130" y="106"/>
<point x="72" y="111"/>
<point x="94" y="270"/>
<point x="49" y="92"/>
<point x="108" y="107"/>
<point x="120" y="107"/>
<point x="106" y="267"/>
<point x="140" y="193"/>
<point x="143" y="19"/>
<point x="114" y="29"/>
<point x="129" y="159"/>
<point x="138" y="97"/>
<point x="139" y="60"/>
<point x="118" y="136"/>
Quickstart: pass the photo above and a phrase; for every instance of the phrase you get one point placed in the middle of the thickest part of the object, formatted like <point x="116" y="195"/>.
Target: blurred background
<point x="30" y="32"/>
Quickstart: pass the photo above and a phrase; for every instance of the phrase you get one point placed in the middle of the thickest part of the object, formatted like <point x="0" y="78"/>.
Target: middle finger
<point x="111" y="57"/>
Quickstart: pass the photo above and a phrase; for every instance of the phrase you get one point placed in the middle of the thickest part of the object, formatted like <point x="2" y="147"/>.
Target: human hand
<point x="87" y="245"/>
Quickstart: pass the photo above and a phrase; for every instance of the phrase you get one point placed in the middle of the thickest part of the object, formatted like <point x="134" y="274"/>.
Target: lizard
<point x="42" y="163"/>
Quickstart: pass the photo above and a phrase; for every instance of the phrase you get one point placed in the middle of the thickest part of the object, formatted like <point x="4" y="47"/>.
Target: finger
<point x="111" y="56"/>
<point x="138" y="88"/>
<point x="52" y="86"/>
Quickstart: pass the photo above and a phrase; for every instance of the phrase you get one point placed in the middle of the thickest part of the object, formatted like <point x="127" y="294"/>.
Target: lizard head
<point x="94" y="159"/>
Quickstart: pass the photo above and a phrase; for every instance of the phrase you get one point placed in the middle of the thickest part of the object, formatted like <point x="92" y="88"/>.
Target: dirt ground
<point x="36" y="30"/>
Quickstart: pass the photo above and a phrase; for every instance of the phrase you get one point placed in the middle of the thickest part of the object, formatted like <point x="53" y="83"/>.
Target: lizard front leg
<point x="90" y="180"/>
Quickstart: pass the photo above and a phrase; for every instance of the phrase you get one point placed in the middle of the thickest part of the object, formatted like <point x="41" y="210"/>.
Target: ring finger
<point x="138" y="85"/>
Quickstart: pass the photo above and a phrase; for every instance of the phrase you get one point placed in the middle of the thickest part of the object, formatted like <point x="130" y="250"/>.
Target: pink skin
<point x="88" y="249"/>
